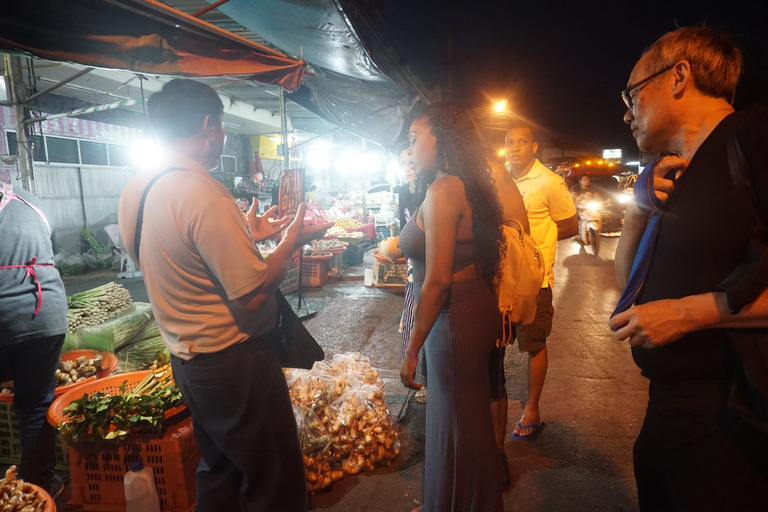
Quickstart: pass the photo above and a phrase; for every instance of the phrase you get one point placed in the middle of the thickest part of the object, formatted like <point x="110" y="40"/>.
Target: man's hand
<point x="652" y="324"/>
<point x="262" y="227"/>
<point x="299" y="234"/>
<point x="661" y="186"/>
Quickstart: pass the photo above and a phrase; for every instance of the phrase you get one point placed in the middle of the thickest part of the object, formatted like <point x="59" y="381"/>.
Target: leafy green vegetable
<point x="140" y="410"/>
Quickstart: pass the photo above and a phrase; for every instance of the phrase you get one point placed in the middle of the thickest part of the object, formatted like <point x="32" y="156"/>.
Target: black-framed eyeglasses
<point x="625" y="93"/>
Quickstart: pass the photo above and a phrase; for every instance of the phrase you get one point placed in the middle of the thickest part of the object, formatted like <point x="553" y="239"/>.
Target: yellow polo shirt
<point x="547" y="200"/>
<point x="197" y="257"/>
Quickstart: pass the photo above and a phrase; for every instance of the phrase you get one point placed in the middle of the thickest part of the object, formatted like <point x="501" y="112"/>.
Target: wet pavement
<point x="593" y="401"/>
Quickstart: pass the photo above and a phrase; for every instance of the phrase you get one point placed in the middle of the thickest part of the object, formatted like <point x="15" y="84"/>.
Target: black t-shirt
<point x="704" y="232"/>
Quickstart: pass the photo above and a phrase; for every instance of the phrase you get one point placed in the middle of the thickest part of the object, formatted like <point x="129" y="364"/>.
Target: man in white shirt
<point x="552" y="216"/>
<point x="213" y="298"/>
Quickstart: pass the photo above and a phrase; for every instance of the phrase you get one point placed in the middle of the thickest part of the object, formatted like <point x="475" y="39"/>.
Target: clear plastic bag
<point x="69" y="264"/>
<point x="116" y="332"/>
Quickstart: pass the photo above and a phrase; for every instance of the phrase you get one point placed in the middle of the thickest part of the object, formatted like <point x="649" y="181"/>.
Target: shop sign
<point x="291" y="192"/>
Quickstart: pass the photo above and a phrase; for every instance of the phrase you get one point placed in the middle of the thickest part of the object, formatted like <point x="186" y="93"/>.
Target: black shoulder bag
<point x="749" y="390"/>
<point x="295" y="346"/>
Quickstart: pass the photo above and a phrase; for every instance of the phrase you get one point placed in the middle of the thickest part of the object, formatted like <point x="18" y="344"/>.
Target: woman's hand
<point x="408" y="372"/>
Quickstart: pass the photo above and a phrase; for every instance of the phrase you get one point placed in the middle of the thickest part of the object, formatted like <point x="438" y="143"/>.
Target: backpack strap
<point x="140" y="216"/>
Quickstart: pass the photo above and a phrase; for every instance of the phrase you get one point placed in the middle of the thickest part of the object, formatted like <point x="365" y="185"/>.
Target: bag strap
<point x="140" y="216"/>
<point x="519" y="227"/>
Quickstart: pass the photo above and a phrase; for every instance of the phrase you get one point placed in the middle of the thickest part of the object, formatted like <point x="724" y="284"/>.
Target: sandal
<point x="421" y="395"/>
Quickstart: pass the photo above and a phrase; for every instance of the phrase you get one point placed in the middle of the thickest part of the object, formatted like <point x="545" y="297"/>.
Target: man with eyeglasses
<point x="692" y="261"/>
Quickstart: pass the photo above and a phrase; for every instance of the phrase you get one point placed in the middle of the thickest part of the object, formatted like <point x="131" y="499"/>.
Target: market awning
<point x="144" y="36"/>
<point x="357" y="84"/>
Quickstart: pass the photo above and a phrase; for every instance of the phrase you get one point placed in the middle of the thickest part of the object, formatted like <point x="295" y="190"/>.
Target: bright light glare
<point x="624" y="198"/>
<point x="146" y="153"/>
<point x="500" y="106"/>
<point x="501" y="152"/>
<point x="319" y="155"/>
<point x="593" y="205"/>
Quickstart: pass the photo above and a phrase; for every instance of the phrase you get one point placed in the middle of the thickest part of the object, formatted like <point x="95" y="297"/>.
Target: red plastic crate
<point x="97" y="468"/>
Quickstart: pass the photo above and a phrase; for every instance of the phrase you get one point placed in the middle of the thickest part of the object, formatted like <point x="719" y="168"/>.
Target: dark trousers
<point x="245" y="428"/>
<point x="694" y="455"/>
<point x="32" y="364"/>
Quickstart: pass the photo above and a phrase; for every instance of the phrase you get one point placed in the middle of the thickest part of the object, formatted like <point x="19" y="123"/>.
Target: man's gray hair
<point x="715" y="59"/>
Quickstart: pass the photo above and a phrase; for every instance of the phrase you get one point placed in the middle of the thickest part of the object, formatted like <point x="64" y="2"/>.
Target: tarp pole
<point x="58" y="84"/>
<point x="284" y="129"/>
<point x="23" y="146"/>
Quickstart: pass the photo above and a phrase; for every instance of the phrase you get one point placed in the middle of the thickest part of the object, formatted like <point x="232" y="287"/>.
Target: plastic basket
<point x="50" y="505"/>
<point x="313" y="273"/>
<point x="97" y="469"/>
<point x="10" y="443"/>
<point x="108" y="366"/>
<point x="109" y="385"/>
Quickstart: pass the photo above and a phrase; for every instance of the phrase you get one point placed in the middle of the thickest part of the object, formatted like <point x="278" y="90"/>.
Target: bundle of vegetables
<point x="16" y="495"/>
<point x="142" y="350"/>
<point x="140" y="410"/>
<point x="342" y="418"/>
<point x="117" y="332"/>
<point x="95" y="306"/>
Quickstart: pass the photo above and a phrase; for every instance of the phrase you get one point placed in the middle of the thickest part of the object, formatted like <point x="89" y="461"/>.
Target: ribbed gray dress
<point x="461" y="459"/>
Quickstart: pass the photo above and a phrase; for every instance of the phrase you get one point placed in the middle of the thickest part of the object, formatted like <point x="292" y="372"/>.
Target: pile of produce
<point x="114" y="416"/>
<point x="353" y="234"/>
<point x="16" y="495"/>
<point x="348" y="223"/>
<point x="329" y="245"/>
<point x="70" y="372"/>
<point x="343" y="421"/>
<point x="96" y="306"/>
<point x="336" y="231"/>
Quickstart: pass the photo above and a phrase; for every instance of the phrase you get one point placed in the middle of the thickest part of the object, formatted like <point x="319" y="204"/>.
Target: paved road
<point x="593" y="402"/>
<point x="592" y="406"/>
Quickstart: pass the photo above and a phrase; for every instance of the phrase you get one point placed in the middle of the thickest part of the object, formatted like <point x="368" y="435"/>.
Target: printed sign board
<point x="291" y="195"/>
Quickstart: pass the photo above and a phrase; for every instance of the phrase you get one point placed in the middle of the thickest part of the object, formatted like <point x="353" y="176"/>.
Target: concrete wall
<point x="74" y="197"/>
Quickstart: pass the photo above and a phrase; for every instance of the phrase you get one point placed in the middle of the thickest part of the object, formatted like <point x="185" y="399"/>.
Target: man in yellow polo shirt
<point x="552" y="216"/>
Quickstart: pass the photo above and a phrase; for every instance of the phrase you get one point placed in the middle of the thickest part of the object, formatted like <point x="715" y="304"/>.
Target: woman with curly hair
<point x="455" y="241"/>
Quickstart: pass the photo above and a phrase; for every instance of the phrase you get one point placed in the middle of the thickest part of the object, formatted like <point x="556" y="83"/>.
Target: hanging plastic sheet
<point x="145" y="36"/>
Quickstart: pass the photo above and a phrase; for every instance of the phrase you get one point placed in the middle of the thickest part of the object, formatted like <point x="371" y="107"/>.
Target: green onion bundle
<point x="96" y="306"/>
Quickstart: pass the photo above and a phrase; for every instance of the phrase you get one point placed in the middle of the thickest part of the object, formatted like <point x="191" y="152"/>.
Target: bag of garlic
<point x="344" y="398"/>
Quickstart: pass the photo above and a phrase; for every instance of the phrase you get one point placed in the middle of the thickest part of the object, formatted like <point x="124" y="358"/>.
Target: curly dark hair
<point x="462" y="153"/>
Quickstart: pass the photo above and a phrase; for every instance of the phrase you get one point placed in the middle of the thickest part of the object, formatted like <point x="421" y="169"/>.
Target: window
<point x="228" y="164"/>
<point x="38" y="147"/>
<point x="92" y="153"/>
<point x="62" y="150"/>
<point x="119" y="155"/>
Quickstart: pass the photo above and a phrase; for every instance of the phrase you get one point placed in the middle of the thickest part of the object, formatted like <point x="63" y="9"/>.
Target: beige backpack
<point x="522" y="273"/>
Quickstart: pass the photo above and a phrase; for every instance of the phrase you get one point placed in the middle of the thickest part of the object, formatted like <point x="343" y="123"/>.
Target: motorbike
<point x="590" y="222"/>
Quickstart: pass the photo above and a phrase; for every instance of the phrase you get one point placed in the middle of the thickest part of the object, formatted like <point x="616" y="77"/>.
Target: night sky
<point x="562" y="64"/>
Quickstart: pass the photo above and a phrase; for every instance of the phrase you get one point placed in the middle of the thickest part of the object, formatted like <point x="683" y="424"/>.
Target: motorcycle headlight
<point x="593" y="205"/>
<point x="624" y="198"/>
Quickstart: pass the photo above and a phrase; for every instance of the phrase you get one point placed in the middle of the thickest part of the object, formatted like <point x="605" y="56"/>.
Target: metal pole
<point x="23" y="147"/>
<point x="58" y="84"/>
<point x="284" y="130"/>
<point x="287" y="165"/>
